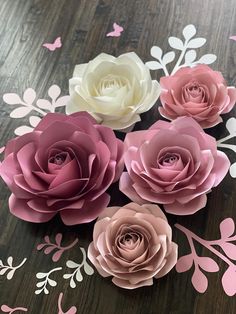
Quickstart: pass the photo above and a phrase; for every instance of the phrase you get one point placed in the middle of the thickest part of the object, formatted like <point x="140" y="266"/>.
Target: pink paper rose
<point x="174" y="164"/>
<point x="133" y="244"/>
<point x="197" y="92"/>
<point x="64" y="166"/>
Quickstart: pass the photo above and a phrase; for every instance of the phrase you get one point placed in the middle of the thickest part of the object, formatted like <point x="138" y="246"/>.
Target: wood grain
<point x="82" y="24"/>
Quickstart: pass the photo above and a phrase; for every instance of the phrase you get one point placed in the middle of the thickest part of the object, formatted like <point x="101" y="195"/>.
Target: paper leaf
<point x="46" y="291"/>
<point x="227" y="228"/>
<point x="12" y="99"/>
<point x="71" y="264"/>
<point x="29" y="96"/>
<point x="208" y="264"/>
<point x="184" y="263"/>
<point x="229" y="249"/>
<point x="10" y="260"/>
<point x="190" y="56"/>
<point x="58" y="239"/>
<point x="196" y="42"/>
<point x="199" y="281"/>
<point x="231" y="125"/>
<point x="57" y="255"/>
<point x="34" y="121"/>
<point x="189" y="31"/>
<point x="10" y="274"/>
<point x="41" y="275"/>
<point x="21" y="130"/>
<point x="44" y="104"/>
<point x="232" y="170"/>
<point x="40" y="284"/>
<point x="62" y="101"/>
<point x="88" y="269"/>
<point x="176" y="43"/>
<point x="54" y="91"/>
<point x="37" y="292"/>
<point x="3" y="270"/>
<point x="6" y="308"/>
<point x="20" y="112"/>
<point x="79" y="276"/>
<point x="72" y="283"/>
<point x="156" y="52"/>
<point x="168" y="57"/>
<point x="49" y="249"/>
<point x="154" y="65"/>
<point x="67" y="276"/>
<point x="229" y="281"/>
<point x="207" y="59"/>
<point x="52" y="283"/>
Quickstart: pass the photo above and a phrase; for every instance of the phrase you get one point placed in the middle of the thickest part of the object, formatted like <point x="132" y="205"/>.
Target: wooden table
<point x="82" y="24"/>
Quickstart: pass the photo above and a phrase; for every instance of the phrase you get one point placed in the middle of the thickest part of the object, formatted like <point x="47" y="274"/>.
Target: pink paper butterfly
<point x="117" y="31"/>
<point x="57" y="44"/>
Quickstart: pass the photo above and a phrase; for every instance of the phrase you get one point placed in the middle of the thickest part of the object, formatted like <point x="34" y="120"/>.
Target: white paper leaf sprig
<point x="77" y="275"/>
<point x="42" y="285"/>
<point x="189" y="56"/>
<point x="29" y="104"/>
<point x="231" y="127"/>
<point x="10" y="269"/>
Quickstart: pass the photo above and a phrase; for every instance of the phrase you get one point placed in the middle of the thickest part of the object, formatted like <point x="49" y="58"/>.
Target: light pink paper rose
<point x="173" y="163"/>
<point x="133" y="244"/>
<point x="64" y="166"/>
<point x="197" y="92"/>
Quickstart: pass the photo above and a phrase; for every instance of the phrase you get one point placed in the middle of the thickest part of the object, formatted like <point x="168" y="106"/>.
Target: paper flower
<point x="114" y="90"/>
<point x="198" y="92"/>
<point x="133" y="244"/>
<point x="174" y="164"/>
<point x="64" y="166"/>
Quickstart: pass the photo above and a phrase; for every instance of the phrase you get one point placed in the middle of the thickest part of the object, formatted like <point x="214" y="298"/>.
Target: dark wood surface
<point x="24" y="26"/>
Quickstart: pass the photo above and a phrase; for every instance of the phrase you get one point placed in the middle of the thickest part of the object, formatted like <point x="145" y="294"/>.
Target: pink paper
<point x="207" y="264"/>
<point x="53" y="46"/>
<point x="117" y="30"/>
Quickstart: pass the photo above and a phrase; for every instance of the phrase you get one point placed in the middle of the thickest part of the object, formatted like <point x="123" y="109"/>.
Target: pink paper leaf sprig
<point x="199" y="280"/>
<point x="48" y="246"/>
<point x="72" y="310"/>
<point x="6" y="309"/>
<point x="10" y="269"/>
<point x="29" y="104"/>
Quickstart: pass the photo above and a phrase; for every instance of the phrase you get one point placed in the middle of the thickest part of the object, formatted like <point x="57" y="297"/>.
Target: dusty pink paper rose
<point x="133" y="244"/>
<point x="198" y="92"/>
<point x="174" y="164"/>
<point x="64" y="166"/>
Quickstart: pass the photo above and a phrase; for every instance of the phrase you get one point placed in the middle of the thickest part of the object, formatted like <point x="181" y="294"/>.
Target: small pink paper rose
<point x="197" y="92"/>
<point x="133" y="244"/>
<point x="172" y="163"/>
<point x="64" y="166"/>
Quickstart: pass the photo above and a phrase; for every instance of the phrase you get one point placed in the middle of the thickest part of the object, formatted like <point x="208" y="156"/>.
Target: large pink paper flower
<point x="198" y="92"/>
<point x="64" y="166"/>
<point x="133" y="244"/>
<point x="174" y="164"/>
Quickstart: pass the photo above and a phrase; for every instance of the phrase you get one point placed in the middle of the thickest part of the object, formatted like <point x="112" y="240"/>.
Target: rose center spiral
<point x="169" y="159"/>
<point x="111" y="84"/>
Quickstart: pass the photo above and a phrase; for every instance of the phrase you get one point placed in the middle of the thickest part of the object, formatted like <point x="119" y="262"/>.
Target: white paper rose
<point x="115" y="91"/>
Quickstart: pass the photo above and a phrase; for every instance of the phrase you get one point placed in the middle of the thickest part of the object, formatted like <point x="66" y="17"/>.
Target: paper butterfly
<point x="117" y="31"/>
<point x="57" y="44"/>
<point x="233" y="37"/>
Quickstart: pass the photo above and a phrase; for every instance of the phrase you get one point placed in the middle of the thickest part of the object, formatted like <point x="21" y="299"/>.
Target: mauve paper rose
<point x="133" y="244"/>
<point x="172" y="163"/>
<point x="64" y="166"/>
<point x="114" y="90"/>
<point x="197" y="92"/>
